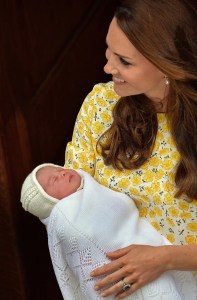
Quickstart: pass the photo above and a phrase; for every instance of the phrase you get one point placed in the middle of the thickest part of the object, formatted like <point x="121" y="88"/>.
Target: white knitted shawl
<point x="92" y="221"/>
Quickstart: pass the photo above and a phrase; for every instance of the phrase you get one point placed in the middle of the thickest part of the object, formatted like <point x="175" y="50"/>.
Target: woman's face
<point x="132" y="73"/>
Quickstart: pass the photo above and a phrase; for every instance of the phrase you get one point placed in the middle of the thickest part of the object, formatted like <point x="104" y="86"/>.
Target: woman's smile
<point x="118" y="81"/>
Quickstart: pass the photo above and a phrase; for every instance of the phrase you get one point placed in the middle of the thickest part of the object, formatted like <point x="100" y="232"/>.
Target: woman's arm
<point x="141" y="264"/>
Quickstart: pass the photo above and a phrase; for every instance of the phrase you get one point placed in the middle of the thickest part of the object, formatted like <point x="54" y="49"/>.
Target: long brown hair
<point x="165" y="33"/>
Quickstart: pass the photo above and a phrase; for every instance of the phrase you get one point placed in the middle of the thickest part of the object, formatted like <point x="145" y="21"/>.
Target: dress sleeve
<point x="80" y="151"/>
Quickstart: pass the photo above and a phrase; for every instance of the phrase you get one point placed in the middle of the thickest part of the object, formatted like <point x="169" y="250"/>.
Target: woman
<point x="138" y="135"/>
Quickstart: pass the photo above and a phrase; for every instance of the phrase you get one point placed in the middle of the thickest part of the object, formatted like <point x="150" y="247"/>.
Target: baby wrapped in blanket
<point x="89" y="221"/>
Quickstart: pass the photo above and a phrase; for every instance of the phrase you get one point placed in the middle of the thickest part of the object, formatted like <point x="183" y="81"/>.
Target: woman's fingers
<point x="117" y="289"/>
<point x="112" y="283"/>
<point x="136" y="265"/>
<point x="110" y="279"/>
<point x="119" y="253"/>
<point x="121" y="288"/>
<point x="124" y="294"/>
<point x="114" y="265"/>
<point x="108" y="268"/>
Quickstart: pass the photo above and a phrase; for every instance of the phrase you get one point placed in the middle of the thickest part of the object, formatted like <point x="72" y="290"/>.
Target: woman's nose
<point x="110" y="69"/>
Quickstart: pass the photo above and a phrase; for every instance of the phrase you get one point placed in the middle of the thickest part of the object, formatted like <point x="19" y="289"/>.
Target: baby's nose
<point x="62" y="173"/>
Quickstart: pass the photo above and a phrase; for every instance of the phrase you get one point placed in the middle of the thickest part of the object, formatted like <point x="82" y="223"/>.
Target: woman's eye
<point x="123" y="62"/>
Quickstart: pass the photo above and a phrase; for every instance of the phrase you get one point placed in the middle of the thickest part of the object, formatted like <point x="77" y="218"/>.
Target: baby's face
<point x="58" y="182"/>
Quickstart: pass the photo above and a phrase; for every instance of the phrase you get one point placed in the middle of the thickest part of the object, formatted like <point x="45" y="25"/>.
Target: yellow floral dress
<point x="151" y="186"/>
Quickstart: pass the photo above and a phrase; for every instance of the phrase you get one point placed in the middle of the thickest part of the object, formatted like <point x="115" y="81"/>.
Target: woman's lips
<point x="118" y="81"/>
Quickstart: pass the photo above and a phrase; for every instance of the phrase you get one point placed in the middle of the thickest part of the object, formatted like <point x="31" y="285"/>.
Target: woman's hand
<point x="136" y="265"/>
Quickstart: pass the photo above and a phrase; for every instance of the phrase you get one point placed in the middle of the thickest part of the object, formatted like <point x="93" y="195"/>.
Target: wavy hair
<point x="165" y="33"/>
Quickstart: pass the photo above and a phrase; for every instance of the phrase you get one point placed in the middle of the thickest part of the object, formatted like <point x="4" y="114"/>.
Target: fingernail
<point x="96" y="287"/>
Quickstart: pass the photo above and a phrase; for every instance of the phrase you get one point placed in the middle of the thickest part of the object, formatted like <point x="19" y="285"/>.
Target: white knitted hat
<point x="33" y="197"/>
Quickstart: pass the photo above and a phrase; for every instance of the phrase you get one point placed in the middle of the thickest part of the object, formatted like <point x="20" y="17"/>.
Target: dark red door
<point x="51" y="55"/>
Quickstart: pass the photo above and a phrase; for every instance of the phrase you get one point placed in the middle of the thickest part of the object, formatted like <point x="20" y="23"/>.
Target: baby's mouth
<point x="70" y="178"/>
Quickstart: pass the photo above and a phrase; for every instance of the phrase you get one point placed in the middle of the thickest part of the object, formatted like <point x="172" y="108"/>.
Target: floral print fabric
<point x="152" y="186"/>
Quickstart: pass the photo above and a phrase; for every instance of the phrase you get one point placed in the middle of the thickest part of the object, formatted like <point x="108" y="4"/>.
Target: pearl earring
<point x="167" y="80"/>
